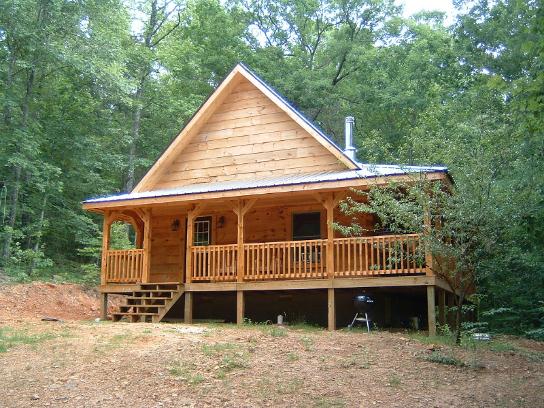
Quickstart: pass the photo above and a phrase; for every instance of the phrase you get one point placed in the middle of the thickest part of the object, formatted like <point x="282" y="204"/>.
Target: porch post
<point x="240" y="307"/>
<point x="240" y="252"/>
<point x="329" y="202"/>
<point x="240" y="209"/>
<point x="427" y="231"/>
<point x="431" y="313"/>
<point x="330" y="239"/>
<point x="188" y="309"/>
<point x="331" y="310"/>
<point x="188" y="252"/>
<point x="104" y="306"/>
<point x="105" y="246"/>
<point x="147" y="246"/>
<point x="191" y="216"/>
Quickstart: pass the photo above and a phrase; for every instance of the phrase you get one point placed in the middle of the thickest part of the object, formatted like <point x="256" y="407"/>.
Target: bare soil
<point x="82" y="363"/>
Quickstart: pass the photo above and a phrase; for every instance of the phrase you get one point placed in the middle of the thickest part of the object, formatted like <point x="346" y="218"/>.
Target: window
<point x="202" y="231"/>
<point x="306" y="226"/>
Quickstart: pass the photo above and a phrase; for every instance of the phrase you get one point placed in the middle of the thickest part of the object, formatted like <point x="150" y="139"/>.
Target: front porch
<point x="386" y="255"/>
<point x="232" y="246"/>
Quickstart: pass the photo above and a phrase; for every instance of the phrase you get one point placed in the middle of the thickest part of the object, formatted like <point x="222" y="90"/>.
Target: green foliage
<point x="441" y="358"/>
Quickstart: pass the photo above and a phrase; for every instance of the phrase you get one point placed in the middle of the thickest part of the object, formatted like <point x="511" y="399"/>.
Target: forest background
<point x="93" y="90"/>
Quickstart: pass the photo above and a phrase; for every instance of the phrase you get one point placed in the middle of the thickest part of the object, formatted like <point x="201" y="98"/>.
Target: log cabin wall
<point x="264" y="224"/>
<point x="167" y="248"/>
<point x="273" y="223"/>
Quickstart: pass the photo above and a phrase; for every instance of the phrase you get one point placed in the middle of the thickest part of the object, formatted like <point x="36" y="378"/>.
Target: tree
<point x="458" y="226"/>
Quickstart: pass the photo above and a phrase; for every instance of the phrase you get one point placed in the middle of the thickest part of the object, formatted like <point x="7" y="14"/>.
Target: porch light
<point x="221" y="222"/>
<point x="175" y="225"/>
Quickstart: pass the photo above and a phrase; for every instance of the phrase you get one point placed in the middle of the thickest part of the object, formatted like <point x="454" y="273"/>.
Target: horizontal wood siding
<point x="167" y="248"/>
<point x="247" y="137"/>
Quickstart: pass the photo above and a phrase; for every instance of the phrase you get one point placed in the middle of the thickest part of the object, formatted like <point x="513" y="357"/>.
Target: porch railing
<point x="378" y="255"/>
<point x="353" y="257"/>
<point x="285" y="260"/>
<point x="124" y="266"/>
<point x="214" y="262"/>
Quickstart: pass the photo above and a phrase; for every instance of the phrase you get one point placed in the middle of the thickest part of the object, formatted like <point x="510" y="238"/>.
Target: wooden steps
<point x="150" y="302"/>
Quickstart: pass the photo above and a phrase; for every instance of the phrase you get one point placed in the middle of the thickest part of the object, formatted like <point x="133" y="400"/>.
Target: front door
<point x="307" y="226"/>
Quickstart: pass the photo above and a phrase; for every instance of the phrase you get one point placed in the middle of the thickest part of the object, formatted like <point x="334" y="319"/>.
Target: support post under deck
<point x="188" y="311"/>
<point x="431" y="313"/>
<point x="240" y="307"/>
<point x="331" y="310"/>
<point x="104" y="306"/>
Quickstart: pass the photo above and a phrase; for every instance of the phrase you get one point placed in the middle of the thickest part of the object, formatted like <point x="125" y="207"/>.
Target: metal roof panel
<point x="365" y="171"/>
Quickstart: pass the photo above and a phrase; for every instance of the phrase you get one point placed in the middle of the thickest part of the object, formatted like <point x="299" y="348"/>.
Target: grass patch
<point x="423" y="338"/>
<point x="394" y="381"/>
<point x="276" y="331"/>
<point x="230" y="356"/>
<point x="10" y="337"/>
<point x="114" y="342"/>
<point x="441" y="358"/>
<point x="356" y="361"/>
<point x="507" y="347"/>
<point x="269" y="388"/>
<point x="307" y="343"/>
<point x="218" y="348"/>
<point x="186" y="373"/>
<point x="324" y="402"/>
<point x="292" y="356"/>
<point x="306" y="327"/>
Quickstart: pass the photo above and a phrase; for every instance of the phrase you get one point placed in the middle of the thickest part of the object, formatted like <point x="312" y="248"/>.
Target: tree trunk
<point x="135" y="136"/>
<point x="458" y="318"/>
<point x="14" y="202"/>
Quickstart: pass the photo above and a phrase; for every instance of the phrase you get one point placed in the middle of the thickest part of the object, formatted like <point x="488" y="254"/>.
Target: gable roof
<point x="239" y="73"/>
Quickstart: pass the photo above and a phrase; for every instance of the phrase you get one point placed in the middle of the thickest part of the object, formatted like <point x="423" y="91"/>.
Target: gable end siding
<point x="247" y="137"/>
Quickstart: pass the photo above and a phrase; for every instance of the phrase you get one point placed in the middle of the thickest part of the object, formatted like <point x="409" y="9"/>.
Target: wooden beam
<point x="192" y="214"/>
<point x="329" y="201"/>
<point x="188" y="308"/>
<point x="240" y="307"/>
<point x="339" y="283"/>
<point x="431" y="313"/>
<point x="105" y="246"/>
<point x="240" y="210"/>
<point x="147" y="246"/>
<point x="427" y="229"/>
<point x="331" y="309"/>
<point x="104" y="306"/>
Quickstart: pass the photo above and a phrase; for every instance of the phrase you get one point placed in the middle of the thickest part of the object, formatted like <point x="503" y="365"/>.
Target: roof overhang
<point x="262" y="188"/>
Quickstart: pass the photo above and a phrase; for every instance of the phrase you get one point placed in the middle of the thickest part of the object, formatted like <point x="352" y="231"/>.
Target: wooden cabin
<point x="235" y="218"/>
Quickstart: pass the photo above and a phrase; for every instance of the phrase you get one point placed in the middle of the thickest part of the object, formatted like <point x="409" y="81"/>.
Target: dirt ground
<point x="83" y="363"/>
